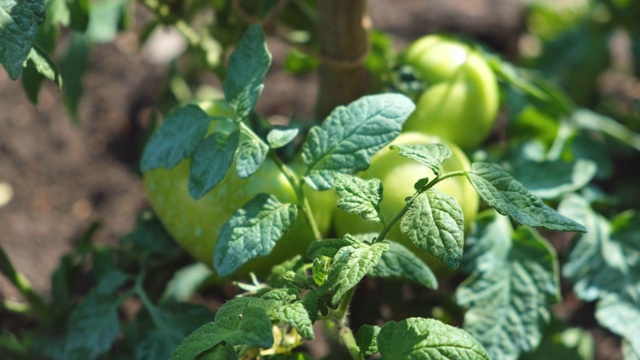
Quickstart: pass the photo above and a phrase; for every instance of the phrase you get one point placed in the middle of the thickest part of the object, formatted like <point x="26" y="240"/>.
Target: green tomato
<point x="398" y="175"/>
<point x="461" y="100"/>
<point x="196" y="224"/>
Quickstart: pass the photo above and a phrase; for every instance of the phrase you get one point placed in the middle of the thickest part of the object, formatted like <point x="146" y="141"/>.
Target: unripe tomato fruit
<point x="398" y="175"/>
<point x="461" y="100"/>
<point x="196" y="224"/>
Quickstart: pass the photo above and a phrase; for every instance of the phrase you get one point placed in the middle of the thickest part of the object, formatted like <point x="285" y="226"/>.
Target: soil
<point x="65" y="176"/>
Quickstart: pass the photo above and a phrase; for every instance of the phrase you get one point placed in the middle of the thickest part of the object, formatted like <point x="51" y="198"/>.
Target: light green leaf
<point x="44" y="65"/>
<point x="360" y="197"/>
<point x="589" y="120"/>
<point x="186" y="281"/>
<point x="252" y="231"/>
<point x="176" y="139"/>
<point x="19" y="20"/>
<point x="594" y="262"/>
<point x="604" y="265"/>
<point x="367" y="339"/>
<point x="296" y="314"/>
<point x="552" y="179"/>
<point x="320" y="270"/>
<point x="505" y="194"/>
<point x="620" y="311"/>
<point x="250" y="156"/>
<point x="400" y="262"/>
<point x="510" y="289"/>
<point x="199" y="341"/>
<point x="247" y="67"/>
<point x="350" y="265"/>
<point x="351" y="134"/>
<point x="429" y="155"/>
<point x="427" y="339"/>
<point x="281" y="136"/>
<point x="212" y="159"/>
<point x="106" y="19"/>
<point x="434" y="223"/>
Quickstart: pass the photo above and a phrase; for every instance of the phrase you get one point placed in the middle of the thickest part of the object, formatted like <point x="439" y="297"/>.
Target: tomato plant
<point x="219" y="188"/>
<point x="461" y="99"/>
<point x="398" y="176"/>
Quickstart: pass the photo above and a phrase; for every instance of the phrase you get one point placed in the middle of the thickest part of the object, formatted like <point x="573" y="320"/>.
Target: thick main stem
<point x="343" y="41"/>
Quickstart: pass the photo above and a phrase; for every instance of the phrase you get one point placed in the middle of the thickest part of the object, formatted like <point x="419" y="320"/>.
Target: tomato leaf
<point x="250" y="156"/>
<point x="176" y="139"/>
<point x="328" y="247"/>
<point x="350" y="265"/>
<point x="211" y="161"/>
<point x="589" y="120"/>
<point x="297" y="316"/>
<point x="360" y="197"/>
<point x="351" y="134"/>
<point x="252" y="231"/>
<point x="320" y="270"/>
<point x="430" y="155"/>
<point x="44" y="65"/>
<point x="400" y="262"/>
<point x="19" y="22"/>
<point x="552" y="179"/>
<point x="247" y="67"/>
<point x="434" y="223"/>
<point x="281" y="136"/>
<point x="509" y="197"/>
<point x="563" y="342"/>
<point x="418" y="338"/>
<point x="367" y="339"/>
<point x="603" y="265"/>
<point x="515" y="279"/>
<point x="94" y="325"/>
<point x="252" y="329"/>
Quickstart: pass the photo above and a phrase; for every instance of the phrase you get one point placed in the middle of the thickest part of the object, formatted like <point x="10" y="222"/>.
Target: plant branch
<point x="406" y="207"/>
<point x="39" y="306"/>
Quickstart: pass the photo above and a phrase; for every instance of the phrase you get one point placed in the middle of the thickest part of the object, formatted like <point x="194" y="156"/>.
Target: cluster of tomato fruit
<point x="458" y="109"/>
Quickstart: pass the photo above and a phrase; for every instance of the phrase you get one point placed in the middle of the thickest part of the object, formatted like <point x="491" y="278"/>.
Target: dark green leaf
<point x="19" y="20"/>
<point x="328" y="247"/>
<point x="73" y="66"/>
<point x="552" y="179"/>
<point x="94" y="325"/>
<point x="252" y="231"/>
<point x="427" y="339"/>
<point x="429" y="155"/>
<point x="505" y="194"/>
<point x="176" y="139"/>
<point x="360" y="197"/>
<point x="250" y="156"/>
<point x="367" y="339"/>
<point x="434" y="223"/>
<point x="351" y="134"/>
<point x="400" y="262"/>
<point x="247" y="67"/>
<point x="507" y="296"/>
<point x="212" y="158"/>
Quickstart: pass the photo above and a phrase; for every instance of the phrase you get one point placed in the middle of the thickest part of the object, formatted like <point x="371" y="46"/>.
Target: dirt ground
<point x="65" y="176"/>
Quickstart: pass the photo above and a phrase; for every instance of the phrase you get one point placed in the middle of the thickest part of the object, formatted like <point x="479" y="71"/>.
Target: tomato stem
<point x="294" y="180"/>
<point x="404" y="209"/>
<point x="39" y="306"/>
